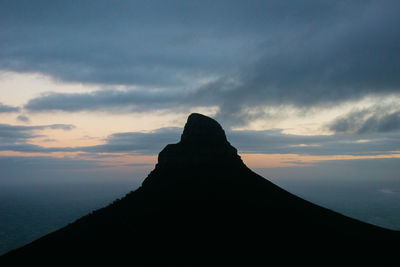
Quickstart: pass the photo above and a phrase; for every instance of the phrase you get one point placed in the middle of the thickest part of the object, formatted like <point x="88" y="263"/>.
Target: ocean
<point x="29" y="212"/>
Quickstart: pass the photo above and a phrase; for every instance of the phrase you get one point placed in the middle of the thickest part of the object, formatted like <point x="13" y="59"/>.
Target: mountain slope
<point x="200" y="203"/>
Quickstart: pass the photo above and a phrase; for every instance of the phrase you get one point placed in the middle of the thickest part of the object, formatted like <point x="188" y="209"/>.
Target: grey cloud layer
<point x="124" y="42"/>
<point x="260" y="52"/>
<point x="271" y="142"/>
<point x="17" y="134"/>
<point x="16" y="138"/>
<point x="131" y="100"/>
<point x="367" y="121"/>
<point x="268" y="142"/>
<point x="137" y="142"/>
<point x="6" y="108"/>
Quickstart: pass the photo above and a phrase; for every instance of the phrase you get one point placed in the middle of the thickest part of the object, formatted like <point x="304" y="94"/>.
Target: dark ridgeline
<point x="202" y="205"/>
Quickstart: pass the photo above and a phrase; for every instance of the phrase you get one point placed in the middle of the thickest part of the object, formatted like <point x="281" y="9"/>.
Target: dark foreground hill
<point x="202" y="206"/>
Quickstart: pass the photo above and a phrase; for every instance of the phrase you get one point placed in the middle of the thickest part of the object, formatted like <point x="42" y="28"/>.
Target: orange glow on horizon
<point x="123" y="160"/>
<point x="293" y="160"/>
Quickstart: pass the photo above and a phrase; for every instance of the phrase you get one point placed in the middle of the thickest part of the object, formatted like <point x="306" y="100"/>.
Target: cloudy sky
<point x="100" y="87"/>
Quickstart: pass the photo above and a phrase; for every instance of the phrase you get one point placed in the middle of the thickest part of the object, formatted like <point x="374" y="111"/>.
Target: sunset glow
<point x="308" y="92"/>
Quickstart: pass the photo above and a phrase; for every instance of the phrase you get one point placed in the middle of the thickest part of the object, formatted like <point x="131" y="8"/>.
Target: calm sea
<point x="29" y="212"/>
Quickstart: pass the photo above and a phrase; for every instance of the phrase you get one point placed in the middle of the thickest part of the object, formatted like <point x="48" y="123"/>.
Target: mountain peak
<point x="200" y="129"/>
<point x="203" y="142"/>
<point x="201" y="195"/>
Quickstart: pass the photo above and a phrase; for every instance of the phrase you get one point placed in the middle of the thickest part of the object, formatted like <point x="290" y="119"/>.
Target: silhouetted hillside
<point x="201" y="206"/>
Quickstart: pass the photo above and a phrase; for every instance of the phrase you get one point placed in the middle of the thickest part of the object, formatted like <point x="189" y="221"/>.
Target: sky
<point x="93" y="90"/>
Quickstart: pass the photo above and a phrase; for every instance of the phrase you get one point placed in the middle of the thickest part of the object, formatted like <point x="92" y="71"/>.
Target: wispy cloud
<point x="23" y="118"/>
<point x="132" y="100"/>
<point x="17" y="134"/>
<point x="6" y="108"/>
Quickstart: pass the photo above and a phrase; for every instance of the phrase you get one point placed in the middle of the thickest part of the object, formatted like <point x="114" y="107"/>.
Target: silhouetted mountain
<point x="202" y="205"/>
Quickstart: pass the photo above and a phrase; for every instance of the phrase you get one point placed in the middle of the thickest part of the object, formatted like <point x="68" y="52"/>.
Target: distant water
<point x="27" y="213"/>
<point x="376" y="203"/>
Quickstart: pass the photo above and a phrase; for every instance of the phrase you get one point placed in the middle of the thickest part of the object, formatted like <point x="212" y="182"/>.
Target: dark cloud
<point x="234" y="54"/>
<point x="367" y="121"/>
<point x="19" y="135"/>
<point x="23" y="118"/>
<point x="385" y="123"/>
<point x="321" y="64"/>
<point x="65" y="127"/>
<point x="6" y="108"/>
<point x="125" y="42"/>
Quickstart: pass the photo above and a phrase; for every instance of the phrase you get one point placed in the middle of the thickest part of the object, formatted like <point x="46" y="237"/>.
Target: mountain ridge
<point x="201" y="196"/>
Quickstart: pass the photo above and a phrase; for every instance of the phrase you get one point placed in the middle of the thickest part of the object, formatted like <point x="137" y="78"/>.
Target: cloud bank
<point x="231" y="54"/>
<point x="367" y="121"/>
<point x="262" y="142"/>
<point x="6" y="108"/>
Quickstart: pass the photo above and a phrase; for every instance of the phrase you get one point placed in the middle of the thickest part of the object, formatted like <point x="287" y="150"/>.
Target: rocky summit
<point x="203" y="142"/>
<point x="201" y="205"/>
